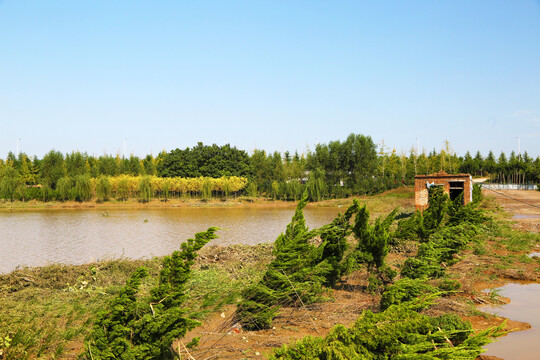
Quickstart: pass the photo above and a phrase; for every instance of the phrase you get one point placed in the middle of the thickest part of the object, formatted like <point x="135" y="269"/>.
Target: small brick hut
<point x="453" y="185"/>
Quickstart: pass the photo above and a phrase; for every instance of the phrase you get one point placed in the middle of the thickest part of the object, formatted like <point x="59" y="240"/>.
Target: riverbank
<point x="399" y="197"/>
<point x="48" y="311"/>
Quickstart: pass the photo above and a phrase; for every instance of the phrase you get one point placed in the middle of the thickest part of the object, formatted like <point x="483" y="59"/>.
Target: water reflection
<point x="521" y="345"/>
<point x="526" y="216"/>
<point x="81" y="236"/>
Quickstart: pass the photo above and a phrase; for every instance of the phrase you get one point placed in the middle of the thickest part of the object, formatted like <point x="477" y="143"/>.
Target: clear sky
<point x="273" y="75"/>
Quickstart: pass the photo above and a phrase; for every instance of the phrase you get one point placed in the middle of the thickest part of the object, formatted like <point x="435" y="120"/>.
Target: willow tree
<point x="145" y="189"/>
<point x="64" y="188"/>
<point x="103" y="188"/>
<point x="83" y="188"/>
<point x="316" y="185"/>
<point x="10" y="180"/>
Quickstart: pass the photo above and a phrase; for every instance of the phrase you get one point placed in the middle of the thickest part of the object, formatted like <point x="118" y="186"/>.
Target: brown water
<point x="524" y="306"/>
<point x="82" y="236"/>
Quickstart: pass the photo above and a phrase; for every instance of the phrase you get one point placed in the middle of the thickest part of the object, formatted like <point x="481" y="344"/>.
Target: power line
<point x="496" y="192"/>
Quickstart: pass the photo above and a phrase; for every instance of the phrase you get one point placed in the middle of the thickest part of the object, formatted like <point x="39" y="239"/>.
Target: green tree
<point x="149" y="164"/>
<point x="75" y="164"/>
<point x="107" y="165"/>
<point x="10" y="181"/>
<point x="52" y="168"/>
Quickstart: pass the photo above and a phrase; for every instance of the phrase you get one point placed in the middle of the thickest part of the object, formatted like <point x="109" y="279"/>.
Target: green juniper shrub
<point x="477" y="195"/>
<point x="136" y="327"/>
<point x="403" y="290"/>
<point x="422" y="224"/>
<point x="459" y="330"/>
<point x="399" y="332"/>
<point x="373" y="247"/>
<point x="448" y="285"/>
<point x="442" y="234"/>
<point x="299" y="270"/>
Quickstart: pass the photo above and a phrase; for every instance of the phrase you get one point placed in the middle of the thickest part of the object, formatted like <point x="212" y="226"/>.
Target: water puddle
<point x="525" y="216"/>
<point x="534" y="254"/>
<point x="524" y="306"/>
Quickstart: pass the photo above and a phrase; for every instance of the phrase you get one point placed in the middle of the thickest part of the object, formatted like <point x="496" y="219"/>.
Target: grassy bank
<point x="48" y="311"/>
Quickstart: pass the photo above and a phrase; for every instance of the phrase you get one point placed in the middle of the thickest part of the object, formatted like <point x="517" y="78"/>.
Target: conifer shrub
<point x="373" y="247"/>
<point x="135" y="326"/>
<point x="459" y="330"/>
<point x="403" y="290"/>
<point x="444" y="229"/>
<point x="477" y="195"/>
<point x="399" y="332"/>
<point x="447" y="285"/>
<point x="422" y="224"/>
<point x="299" y="271"/>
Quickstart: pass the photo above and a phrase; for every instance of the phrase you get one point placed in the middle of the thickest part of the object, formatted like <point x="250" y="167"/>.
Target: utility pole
<point x="125" y="148"/>
<point x="519" y="148"/>
<point x="17" y="153"/>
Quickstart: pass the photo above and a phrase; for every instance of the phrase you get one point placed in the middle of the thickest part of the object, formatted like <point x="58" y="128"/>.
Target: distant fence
<point x="509" y="187"/>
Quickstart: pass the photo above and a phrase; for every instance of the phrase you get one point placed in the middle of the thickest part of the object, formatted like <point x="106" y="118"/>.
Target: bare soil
<point x="522" y="205"/>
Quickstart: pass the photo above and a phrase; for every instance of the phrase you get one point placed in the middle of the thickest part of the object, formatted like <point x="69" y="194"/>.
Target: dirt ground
<point x="523" y="205"/>
<point x="222" y="338"/>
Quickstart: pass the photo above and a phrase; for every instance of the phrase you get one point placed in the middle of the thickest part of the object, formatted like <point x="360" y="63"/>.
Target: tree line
<point x="338" y="169"/>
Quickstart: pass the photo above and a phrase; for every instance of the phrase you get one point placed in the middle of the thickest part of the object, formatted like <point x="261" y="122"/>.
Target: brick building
<point x="453" y="185"/>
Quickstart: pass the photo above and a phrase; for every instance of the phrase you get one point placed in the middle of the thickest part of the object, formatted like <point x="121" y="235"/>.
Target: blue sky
<point x="273" y="75"/>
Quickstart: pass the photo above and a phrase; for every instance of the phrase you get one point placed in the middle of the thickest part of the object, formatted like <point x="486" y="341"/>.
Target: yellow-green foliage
<point x="128" y="186"/>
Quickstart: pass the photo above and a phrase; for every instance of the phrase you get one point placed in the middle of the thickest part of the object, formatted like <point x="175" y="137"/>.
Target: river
<point x="37" y="238"/>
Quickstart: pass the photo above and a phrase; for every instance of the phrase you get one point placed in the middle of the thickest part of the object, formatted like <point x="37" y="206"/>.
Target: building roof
<point x="442" y="175"/>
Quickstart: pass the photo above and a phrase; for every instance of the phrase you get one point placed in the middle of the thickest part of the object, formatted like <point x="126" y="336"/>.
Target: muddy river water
<point x="524" y="306"/>
<point x="36" y="238"/>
